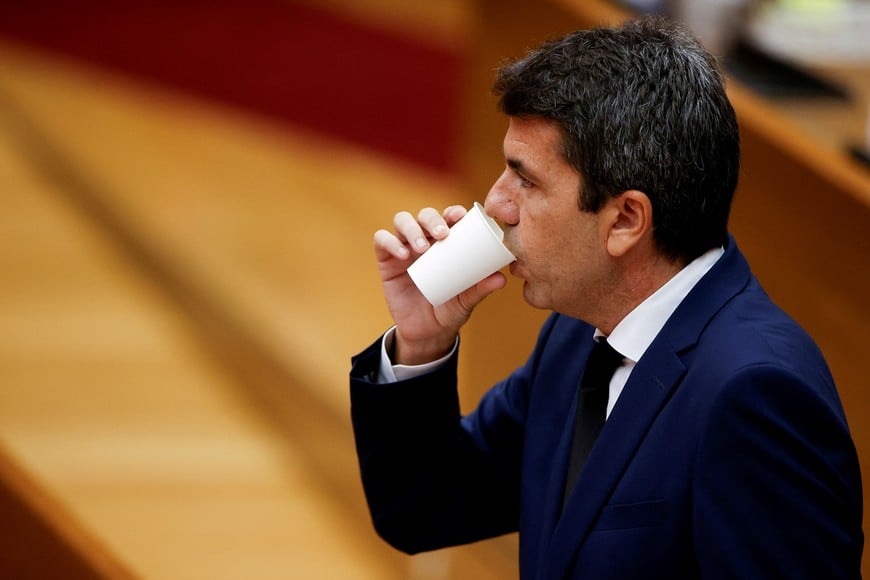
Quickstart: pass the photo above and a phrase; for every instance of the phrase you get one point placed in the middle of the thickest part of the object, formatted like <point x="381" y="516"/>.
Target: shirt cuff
<point x="390" y="373"/>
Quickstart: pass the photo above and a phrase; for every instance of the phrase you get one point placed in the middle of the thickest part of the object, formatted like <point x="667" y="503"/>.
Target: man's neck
<point x="636" y="281"/>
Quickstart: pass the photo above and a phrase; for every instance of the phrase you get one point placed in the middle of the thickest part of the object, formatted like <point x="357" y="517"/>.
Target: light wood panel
<point x="107" y="399"/>
<point x="262" y="233"/>
<point x="274" y="224"/>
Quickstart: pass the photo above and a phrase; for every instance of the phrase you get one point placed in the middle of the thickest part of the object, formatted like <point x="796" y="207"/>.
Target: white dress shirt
<point x="631" y="337"/>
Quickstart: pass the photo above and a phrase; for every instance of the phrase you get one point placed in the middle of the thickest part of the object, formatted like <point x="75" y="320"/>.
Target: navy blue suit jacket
<point x="727" y="454"/>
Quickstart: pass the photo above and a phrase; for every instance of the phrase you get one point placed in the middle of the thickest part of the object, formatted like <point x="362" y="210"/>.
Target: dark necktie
<point x="591" y="408"/>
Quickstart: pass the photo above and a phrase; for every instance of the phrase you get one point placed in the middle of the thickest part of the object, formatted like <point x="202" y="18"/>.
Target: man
<point x="725" y="452"/>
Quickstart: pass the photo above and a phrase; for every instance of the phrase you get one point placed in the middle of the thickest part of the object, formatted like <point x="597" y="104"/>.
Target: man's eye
<point x="524" y="183"/>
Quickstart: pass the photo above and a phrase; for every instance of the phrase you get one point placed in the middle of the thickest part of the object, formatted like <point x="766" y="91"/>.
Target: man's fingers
<point x="417" y="233"/>
<point x="433" y="223"/>
<point x="410" y="230"/>
<point x="475" y="295"/>
<point x="453" y="214"/>
<point x="388" y="244"/>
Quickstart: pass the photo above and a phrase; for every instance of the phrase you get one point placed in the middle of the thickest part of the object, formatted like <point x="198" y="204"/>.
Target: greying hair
<point x="642" y="106"/>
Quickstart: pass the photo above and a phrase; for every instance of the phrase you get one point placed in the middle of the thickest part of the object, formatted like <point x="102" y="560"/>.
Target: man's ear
<point x="631" y="221"/>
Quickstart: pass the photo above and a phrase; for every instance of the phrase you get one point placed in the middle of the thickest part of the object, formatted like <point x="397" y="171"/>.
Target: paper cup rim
<point x="492" y="226"/>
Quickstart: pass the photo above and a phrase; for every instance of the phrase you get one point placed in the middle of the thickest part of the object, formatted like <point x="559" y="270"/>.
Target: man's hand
<point x="423" y="333"/>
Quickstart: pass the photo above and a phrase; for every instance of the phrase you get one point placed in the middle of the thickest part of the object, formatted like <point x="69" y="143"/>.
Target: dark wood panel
<point x="38" y="537"/>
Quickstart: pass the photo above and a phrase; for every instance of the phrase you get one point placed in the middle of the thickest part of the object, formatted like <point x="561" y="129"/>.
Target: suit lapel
<point x="640" y="403"/>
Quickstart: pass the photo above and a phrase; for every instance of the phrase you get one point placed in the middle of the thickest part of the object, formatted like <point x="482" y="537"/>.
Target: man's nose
<point x="499" y="203"/>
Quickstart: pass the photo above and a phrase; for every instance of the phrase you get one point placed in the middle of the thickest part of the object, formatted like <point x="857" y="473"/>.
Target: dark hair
<point x="641" y="106"/>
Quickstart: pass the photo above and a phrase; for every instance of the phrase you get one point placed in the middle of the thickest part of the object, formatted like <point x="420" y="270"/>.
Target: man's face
<point x="560" y="250"/>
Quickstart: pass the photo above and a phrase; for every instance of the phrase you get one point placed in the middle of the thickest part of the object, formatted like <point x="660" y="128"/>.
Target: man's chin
<point x="531" y="299"/>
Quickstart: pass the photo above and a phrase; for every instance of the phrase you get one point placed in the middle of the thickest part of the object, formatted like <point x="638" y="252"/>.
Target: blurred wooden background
<point x="185" y="280"/>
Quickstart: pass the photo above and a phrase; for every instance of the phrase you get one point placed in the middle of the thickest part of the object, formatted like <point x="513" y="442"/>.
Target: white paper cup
<point x="471" y="251"/>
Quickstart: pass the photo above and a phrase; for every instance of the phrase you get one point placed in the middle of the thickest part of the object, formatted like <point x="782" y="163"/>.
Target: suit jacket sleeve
<point x="433" y="478"/>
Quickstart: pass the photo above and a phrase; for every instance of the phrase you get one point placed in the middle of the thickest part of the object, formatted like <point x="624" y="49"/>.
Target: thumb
<point x="457" y="311"/>
<point x="475" y="295"/>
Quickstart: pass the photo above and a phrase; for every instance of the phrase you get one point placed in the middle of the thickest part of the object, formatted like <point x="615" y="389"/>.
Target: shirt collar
<point x="634" y="333"/>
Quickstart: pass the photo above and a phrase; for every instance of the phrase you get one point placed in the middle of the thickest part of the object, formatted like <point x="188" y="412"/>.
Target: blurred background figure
<point x="812" y="31"/>
<point x="794" y="29"/>
<point x="718" y="23"/>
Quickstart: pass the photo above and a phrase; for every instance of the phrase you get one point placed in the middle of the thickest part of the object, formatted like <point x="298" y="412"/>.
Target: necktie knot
<point x="603" y="362"/>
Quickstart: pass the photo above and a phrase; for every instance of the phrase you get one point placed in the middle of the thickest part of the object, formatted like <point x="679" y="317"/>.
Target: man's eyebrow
<point x="518" y="166"/>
